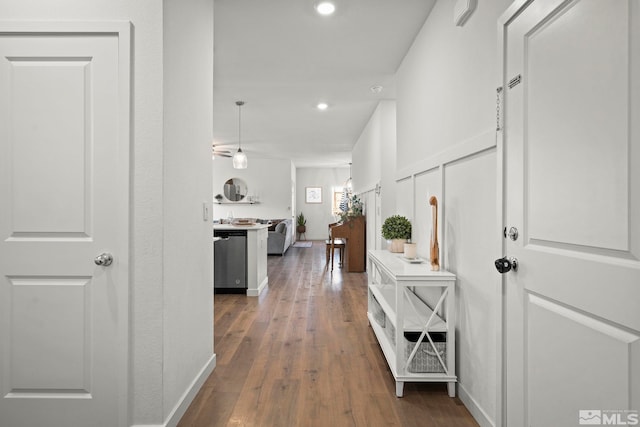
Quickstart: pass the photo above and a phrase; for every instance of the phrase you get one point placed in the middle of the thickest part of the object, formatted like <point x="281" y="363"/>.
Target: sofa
<point x="279" y="238"/>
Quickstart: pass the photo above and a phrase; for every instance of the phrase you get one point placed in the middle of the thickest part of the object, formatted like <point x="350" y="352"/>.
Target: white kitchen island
<point x="257" y="234"/>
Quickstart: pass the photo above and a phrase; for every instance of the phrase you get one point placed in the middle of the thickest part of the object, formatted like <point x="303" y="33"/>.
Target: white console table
<point x="392" y="281"/>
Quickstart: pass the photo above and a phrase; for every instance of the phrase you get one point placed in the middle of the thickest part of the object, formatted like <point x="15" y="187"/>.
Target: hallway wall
<point x="318" y="215"/>
<point x="267" y="179"/>
<point x="152" y="347"/>
<point x="374" y="157"/>
<point x="188" y="250"/>
<point x="446" y="115"/>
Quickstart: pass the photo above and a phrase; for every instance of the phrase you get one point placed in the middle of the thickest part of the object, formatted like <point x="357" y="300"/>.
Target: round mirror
<point x="235" y="189"/>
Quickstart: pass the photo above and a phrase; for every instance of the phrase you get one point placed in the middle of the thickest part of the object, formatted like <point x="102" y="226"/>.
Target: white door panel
<point x="572" y="188"/>
<point x="574" y="75"/>
<point x="66" y="364"/>
<point x="47" y="119"/>
<point x="64" y="190"/>
<point x="580" y="361"/>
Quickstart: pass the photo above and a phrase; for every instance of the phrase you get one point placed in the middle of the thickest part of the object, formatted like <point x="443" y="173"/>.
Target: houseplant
<point x="301" y="223"/>
<point x="351" y="207"/>
<point x="396" y="229"/>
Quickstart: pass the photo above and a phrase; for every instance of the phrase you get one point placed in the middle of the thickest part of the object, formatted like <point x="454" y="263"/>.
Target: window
<point x="335" y="200"/>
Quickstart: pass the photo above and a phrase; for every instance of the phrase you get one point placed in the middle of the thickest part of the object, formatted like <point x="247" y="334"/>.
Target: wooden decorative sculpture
<point x="433" y="245"/>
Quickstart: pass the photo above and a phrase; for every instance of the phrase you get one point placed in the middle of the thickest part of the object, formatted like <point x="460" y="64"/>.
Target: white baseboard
<point x="480" y="416"/>
<point x="257" y="292"/>
<point x="190" y="393"/>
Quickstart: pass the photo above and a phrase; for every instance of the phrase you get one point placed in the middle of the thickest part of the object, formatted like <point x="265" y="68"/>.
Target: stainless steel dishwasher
<point x="230" y="261"/>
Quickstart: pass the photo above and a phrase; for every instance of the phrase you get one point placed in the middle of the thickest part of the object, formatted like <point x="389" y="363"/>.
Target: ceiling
<point x="281" y="58"/>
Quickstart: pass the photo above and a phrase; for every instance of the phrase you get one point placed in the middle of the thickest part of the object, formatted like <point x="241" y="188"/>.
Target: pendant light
<point x="348" y="185"/>
<point x="239" y="158"/>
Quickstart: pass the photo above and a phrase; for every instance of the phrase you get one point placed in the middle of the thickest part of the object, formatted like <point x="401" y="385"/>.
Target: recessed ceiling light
<point x="322" y="106"/>
<point x="376" y="89"/>
<point x="325" y="8"/>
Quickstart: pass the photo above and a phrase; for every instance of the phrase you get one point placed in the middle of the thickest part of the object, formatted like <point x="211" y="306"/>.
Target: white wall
<point x="147" y="392"/>
<point x="188" y="249"/>
<point x="146" y="249"/>
<point x="268" y="179"/>
<point x="318" y="214"/>
<point x="374" y="158"/>
<point x="446" y="146"/>
<point x="293" y="197"/>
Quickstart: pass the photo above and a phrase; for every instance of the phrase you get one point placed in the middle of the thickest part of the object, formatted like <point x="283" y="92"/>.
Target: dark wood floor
<point x="302" y="354"/>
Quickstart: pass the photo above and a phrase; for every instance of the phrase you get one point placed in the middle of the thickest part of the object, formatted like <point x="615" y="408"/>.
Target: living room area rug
<point x="302" y="244"/>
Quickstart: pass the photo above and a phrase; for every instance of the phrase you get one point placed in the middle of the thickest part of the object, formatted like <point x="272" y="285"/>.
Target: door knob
<point x="505" y="265"/>
<point x="104" y="259"/>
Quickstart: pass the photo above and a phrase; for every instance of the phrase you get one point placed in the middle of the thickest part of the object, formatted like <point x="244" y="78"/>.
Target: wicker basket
<point x="390" y="332"/>
<point x="377" y="312"/>
<point x="425" y="359"/>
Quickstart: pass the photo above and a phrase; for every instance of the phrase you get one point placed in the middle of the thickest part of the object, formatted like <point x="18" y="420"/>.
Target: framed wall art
<point x="313" y="194"/>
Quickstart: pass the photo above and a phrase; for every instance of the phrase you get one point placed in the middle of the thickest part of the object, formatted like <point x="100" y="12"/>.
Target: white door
<point x="572" y="190"/>
<point x="64" y="195"/>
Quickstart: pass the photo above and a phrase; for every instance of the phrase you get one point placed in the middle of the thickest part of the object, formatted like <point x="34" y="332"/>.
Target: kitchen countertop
<point x="239" y="227"/>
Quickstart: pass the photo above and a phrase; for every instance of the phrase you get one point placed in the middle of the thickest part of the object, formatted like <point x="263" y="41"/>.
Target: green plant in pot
<point x="396" y="229"/>
<point x="351" y="209"/>
<point x="301" y="223"/>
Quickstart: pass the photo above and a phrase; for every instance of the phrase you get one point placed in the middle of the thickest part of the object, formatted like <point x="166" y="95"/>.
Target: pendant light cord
<point x="240" y="104"/>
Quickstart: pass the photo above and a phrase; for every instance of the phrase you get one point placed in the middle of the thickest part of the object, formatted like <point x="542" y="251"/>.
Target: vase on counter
<point x="411" y="250"/>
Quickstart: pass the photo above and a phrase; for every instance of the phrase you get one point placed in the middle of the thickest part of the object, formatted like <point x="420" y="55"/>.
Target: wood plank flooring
<point x="303" y="354"/>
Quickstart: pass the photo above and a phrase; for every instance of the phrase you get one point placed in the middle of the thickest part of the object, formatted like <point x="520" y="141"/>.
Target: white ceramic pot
<point x="410" y="250"/>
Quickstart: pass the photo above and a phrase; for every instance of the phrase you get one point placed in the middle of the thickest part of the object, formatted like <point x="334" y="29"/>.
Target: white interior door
<point x="64" y="124"/>
<point x="572" y="189"/>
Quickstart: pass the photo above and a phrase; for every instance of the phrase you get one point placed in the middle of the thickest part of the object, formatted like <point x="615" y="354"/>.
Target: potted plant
<point x="351" y="207"/>
<point x="396" y="229"/>
<point x="301" y="223"/>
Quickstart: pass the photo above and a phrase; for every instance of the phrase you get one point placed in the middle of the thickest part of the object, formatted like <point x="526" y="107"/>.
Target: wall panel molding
<point x="469" y="147"/>
<point x="442" y="175"/>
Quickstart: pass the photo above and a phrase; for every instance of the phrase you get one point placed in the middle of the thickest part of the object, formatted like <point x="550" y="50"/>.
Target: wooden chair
<point x="333" y="244"/>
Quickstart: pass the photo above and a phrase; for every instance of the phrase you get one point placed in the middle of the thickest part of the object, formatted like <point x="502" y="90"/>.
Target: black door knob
<point x="505" y="265"/>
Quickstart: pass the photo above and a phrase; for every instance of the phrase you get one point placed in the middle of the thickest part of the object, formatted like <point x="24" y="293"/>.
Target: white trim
<point x="257" y="292"/>
<point x="476" y="411"/>
<point x="366" y="188"/>
<point x="122" y="28"/>
<point x="477" y="144"/>
<point x="438" y="162"/>
<point x="444" y="233"/>
<point x="501" y="357"/>
<point x="125" y="185"/>
<point x="466" y="148"/>
<point x="183" y="404"/>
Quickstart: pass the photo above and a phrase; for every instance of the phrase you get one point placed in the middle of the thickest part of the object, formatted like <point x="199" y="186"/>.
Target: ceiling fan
<point x="219" y="151"/>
